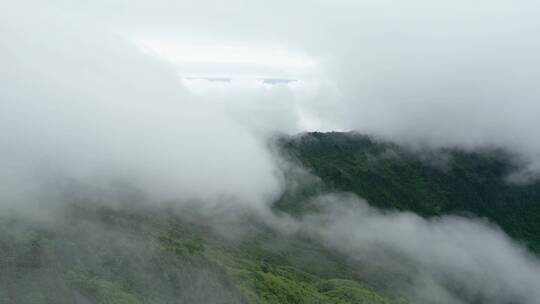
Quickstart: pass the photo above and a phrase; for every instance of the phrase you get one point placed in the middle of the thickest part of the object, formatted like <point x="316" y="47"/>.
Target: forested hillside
<point x="427" y="182"/>
<point x="95" y="252"/>
<point x="103" y="255"/>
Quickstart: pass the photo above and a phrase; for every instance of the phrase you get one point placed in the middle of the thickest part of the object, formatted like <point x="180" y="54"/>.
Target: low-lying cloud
<point x="80" y="104"/>
<point x="450" y="260"/>
<point x="442" y="74"/>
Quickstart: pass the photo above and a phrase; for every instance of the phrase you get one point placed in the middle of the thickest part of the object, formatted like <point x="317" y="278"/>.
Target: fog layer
<point x="445" y="73"/>
<point x="441" y="260"/>
<point x="80" y="104"/>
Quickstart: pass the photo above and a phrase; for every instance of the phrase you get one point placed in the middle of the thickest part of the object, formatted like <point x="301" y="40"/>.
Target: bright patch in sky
<point x="236" y="58"/>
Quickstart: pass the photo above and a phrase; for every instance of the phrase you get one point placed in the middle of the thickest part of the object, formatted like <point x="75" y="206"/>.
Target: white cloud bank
<point x="447" y="260"/>
<point x="442" y="73"/>
<point x="80" y="104"/>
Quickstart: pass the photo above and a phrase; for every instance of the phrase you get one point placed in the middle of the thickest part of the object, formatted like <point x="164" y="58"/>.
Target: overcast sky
<point x="442" y="73"/>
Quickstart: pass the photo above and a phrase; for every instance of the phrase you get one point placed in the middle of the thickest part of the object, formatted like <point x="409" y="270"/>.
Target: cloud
<point x="441" y="260"/>
<point x="455" y="74"/>
<point x="80" y="104"/>
<point x="459" y="73"/>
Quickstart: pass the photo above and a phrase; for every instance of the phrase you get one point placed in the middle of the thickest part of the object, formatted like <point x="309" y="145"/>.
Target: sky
<point x="437" y="73"/>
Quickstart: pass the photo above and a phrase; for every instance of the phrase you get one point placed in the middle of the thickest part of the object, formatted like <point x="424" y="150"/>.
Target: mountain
<point x="427" y="182"/>
<point x="99" y="252"/>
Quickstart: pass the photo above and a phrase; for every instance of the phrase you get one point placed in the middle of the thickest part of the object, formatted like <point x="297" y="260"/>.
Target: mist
<point x="445" y="74"/>
<point x="447" y="259"/>
<point x="86" y="107"/>
<point x="83" y="105"/>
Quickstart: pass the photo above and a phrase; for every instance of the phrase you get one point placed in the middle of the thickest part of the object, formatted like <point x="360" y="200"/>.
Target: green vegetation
<point x="98" y="254"/>
<point x="93" y="253"/>
<point x="426" y="182"/>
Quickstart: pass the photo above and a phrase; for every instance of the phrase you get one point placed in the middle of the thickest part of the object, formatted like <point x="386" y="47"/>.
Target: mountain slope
<point x="427" y="182"/>
<point x="98" y="254"/>
<point x="93" y="252"/>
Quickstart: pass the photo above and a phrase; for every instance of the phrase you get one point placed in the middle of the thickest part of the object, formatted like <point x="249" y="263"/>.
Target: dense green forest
<point x="427" y="182"/>
<point x="94" y="252"/>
